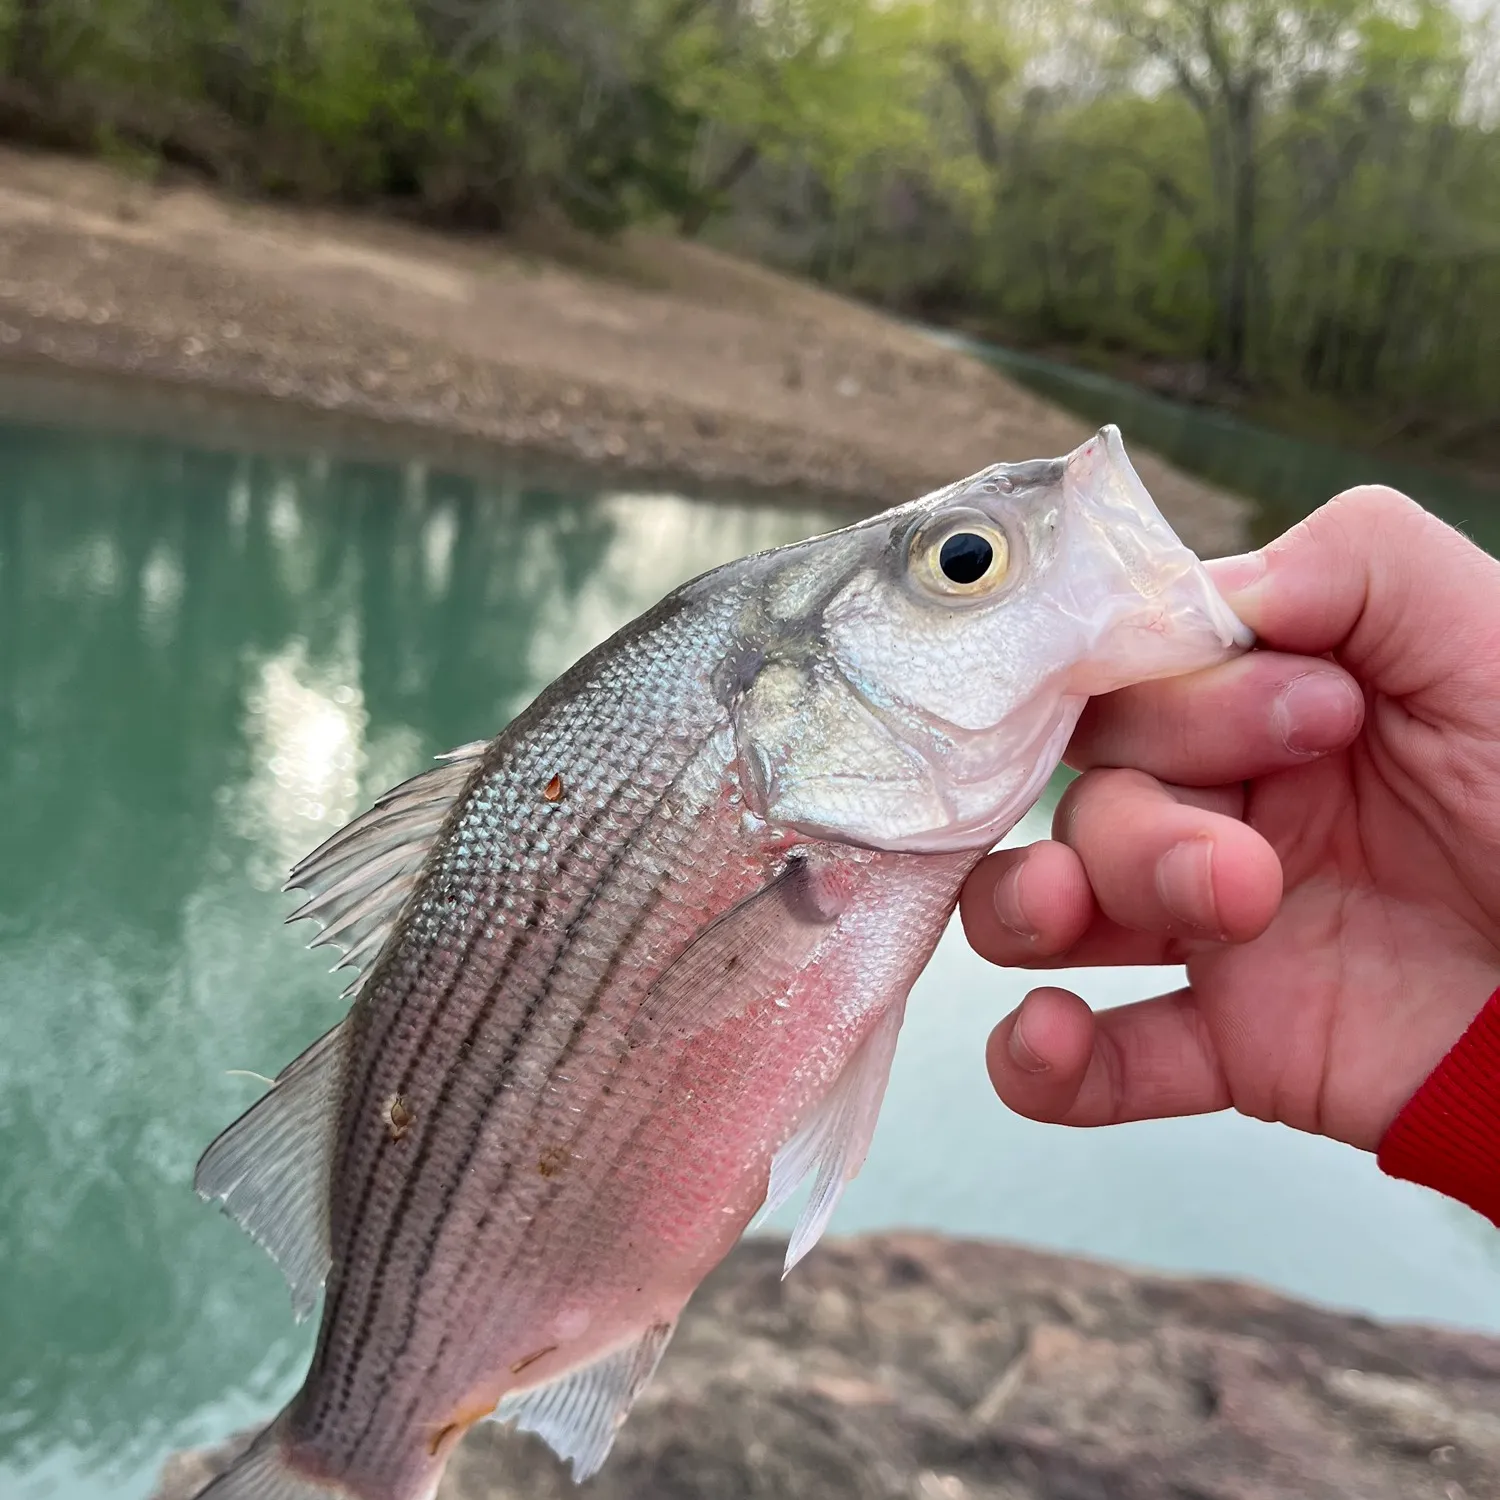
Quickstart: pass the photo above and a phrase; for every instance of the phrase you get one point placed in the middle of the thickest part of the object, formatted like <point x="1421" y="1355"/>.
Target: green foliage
<point x="1299" y="195"/>
<point x="1296" y="197"/>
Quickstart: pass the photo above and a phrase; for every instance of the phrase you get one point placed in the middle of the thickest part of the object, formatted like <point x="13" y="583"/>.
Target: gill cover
<point x="947" y="648"/>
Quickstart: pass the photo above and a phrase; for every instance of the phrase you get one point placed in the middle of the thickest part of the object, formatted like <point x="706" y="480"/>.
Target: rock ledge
<point x="913" y="1367"/>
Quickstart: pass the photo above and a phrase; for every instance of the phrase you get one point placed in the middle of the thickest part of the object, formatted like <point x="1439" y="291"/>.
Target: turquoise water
<point x="208" y="661"/>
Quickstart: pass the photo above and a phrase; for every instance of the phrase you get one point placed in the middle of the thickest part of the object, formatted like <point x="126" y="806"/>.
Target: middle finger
<point x="1166" y="861"/>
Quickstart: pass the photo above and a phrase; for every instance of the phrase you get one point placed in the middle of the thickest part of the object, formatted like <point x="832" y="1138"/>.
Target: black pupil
<point x="965" y="557"/>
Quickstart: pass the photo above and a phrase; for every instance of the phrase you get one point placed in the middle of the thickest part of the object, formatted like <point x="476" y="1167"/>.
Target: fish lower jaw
<point x="981" y="813"/>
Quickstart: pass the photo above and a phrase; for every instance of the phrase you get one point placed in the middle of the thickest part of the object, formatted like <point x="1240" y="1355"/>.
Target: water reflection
<point x="206" y="664"/>
<point x="305" y="727"/>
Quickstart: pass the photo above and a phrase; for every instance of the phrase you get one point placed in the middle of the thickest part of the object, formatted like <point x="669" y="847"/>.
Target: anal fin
<point x="271" y="1168"/>
<point x="835" y="1139"/>
<point x="578" y="1414"/>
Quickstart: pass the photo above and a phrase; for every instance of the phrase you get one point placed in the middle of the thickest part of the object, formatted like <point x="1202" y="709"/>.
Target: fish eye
<point x="961" y="557"/>
<point x="965" y="557"/>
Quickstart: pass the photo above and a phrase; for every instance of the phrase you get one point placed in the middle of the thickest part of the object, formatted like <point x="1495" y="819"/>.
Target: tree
<point x="1234" y="60"/>
<point x="827" y="84"/>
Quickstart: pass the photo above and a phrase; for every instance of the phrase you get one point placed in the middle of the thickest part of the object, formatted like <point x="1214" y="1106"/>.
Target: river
<point x="209" y="659"/>
<point x="1285" y="476"/>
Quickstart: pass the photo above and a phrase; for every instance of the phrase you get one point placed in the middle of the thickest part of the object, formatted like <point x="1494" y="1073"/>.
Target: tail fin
<point x="263" y="1472"/>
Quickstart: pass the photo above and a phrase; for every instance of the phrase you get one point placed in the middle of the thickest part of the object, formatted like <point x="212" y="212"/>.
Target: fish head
<point x="912" y="680"/>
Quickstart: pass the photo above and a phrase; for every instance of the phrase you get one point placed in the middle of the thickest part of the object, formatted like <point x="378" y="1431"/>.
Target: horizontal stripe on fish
<point x="543" y="991"/>
<point x="347" y="1375"/>
<point x="559" y="1150"/>
<point x="379" y="1051"/>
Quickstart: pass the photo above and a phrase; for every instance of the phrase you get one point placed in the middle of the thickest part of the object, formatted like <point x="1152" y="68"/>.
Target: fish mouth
<point x="1169" y="617"/>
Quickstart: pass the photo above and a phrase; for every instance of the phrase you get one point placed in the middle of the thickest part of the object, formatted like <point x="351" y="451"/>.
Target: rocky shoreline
<point x="914" y="1367"/>
<point x="655" y="358"/>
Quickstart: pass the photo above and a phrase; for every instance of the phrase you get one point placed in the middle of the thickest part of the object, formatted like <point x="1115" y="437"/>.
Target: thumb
<point x="1409" y="605"/>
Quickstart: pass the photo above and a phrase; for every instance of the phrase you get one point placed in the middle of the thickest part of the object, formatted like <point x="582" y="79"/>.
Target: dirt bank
<point x="653" y="356"/>
<point x="910" y="1367"/>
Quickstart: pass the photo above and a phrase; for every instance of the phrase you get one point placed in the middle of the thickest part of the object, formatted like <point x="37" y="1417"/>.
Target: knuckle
<point x="1374" y="519"/>
<point x="1348" y="519"/>
<point x="1114" y="1070"/>
<point x="1375" y="500"/>
<point x="1102" y="786"/>
<point x="1357" y="526"/>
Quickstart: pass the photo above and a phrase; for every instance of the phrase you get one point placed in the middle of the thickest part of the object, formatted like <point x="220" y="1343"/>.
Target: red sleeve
<point x="1448" y="1135"/>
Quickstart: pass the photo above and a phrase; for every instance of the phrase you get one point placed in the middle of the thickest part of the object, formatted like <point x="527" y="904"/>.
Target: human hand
<point x="1317" y="839"/>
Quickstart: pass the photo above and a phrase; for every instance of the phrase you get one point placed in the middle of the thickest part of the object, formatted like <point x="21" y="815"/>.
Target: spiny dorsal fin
<point x="835" y="1139"/>
<point x="358" y="880"/>
<point x="578" y="1414"/>
<point x="271" y="1168"/>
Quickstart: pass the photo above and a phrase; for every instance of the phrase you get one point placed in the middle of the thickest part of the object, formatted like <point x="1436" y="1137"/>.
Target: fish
<point x="634" y="970"/>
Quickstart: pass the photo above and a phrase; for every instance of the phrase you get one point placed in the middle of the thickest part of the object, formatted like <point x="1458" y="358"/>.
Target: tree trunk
<point x="1239" y="269"/>
<point x="29" y="53"/>
<point x="975" y="95"/>
<point x="693" y="219"/>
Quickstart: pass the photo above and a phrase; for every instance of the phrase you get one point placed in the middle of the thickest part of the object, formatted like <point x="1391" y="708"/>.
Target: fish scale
<point x="590" y="912"/>
<point x="637" y="967"/>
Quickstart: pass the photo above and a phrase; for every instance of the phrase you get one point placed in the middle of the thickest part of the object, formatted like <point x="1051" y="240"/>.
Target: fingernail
<point x="1008" y="904"/>
<point x="1185" y="884"/>
<point x="1233" y="575"/>
<point x="1020" y="1054"/>
<point x="1316" y="712"/>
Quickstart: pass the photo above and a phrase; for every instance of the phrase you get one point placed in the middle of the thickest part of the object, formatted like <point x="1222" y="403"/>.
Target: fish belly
<point x="563" y="1189"/>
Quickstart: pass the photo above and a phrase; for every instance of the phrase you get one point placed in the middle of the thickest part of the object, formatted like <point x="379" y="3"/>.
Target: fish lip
<point x="1232" y="630"/>
<point x="1098" y="475"/>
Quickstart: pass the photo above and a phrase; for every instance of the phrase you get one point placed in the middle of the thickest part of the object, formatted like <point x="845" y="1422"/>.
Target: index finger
<point x="1259" y="713"/>
<point x="1405" y="601"/>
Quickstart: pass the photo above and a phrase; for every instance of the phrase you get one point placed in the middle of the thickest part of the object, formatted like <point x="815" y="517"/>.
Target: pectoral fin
<point x="752" y="953"/>
<point x="578" y="1414"/>
<point x="833" y="1143"/>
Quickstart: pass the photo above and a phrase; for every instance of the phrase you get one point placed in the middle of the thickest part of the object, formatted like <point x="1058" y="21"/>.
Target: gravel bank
<point x="654" y="357"/>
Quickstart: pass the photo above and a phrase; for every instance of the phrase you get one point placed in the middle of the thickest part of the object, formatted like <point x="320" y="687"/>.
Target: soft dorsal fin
<point x="835" y="1139"/>
<point x="751" y="953"/>
<point x="271" y="1168"/>
<point x="578" y="1414"/>
<point x="359" y="879"/>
